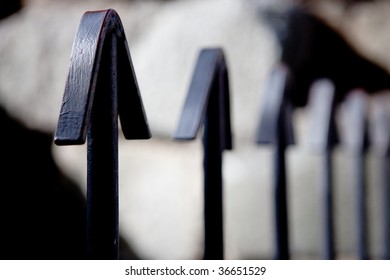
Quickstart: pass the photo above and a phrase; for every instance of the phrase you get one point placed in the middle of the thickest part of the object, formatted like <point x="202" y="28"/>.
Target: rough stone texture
<point x="161" y="180"/>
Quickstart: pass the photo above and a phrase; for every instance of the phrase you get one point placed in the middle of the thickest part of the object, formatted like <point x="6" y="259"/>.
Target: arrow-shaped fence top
<point x="97" y="31"/>
<point x="380" y="119"/>
<point x="210" y="76"/>
<point x="276" y="117"/>
<point x="356" y="121"/>
<point x="208" y="102"/>
<point x="275" y="128"/>
<point x="323" y="134"/>
<point x="101" y="85"/>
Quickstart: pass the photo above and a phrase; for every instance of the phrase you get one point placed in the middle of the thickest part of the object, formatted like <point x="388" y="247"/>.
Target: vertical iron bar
<point x="380" y="139"/>
<point x="275" y="127"/>
<point x="90" y="111"/>
<point x="102" y="182"/>
<point x="385" y="169"/>
<point x="327" y="188"/>
<point x="324" y="137"/>
<point x="213" y="180"/>
<point x="360" y="176"/>
<point x="207" y="102"/>
<point x="280" y="195"/>
<point x="358" y="141"/>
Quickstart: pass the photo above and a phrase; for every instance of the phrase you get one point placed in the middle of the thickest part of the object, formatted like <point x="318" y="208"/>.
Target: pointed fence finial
<point x="275" y="128"/>
<point x="101" y="85"/>
<point x="208" y="103"/>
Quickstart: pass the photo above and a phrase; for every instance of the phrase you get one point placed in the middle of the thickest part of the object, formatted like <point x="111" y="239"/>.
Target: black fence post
<point x="101" y="85"/>
<point x="208" y="101"/>
<point x="381" y="143"/>
<point x="358" y="142"/>
<point x="275" y="127"/>
<point x="323" y="138"/>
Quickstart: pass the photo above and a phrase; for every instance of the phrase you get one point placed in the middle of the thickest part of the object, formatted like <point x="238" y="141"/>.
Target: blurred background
<point x="161" y="192"/>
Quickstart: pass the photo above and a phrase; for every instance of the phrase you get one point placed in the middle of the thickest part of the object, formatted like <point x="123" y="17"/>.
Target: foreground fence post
<point x="208" y="100"/>
<point x="101" y="84"/>
<point x="324" y="137"/>
<point x="275" y="128"/>
<point x="381" y="144"/>
<point x="357" y="142"/>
